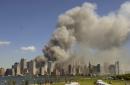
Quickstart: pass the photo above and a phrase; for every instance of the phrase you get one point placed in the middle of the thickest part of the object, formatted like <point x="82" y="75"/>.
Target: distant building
<point x="42" y="71"/>
<point x="73" y="70"/>
<point x="32" y="67"/>
<point x="98" y="70"/>
<point x="69" y="69"/>
<point x="13" y="71"/>
<point x="85" y="70"/>
<point x="8" y="72"/>
<point x="106" y="68"/>
<point x="23" y="65"/>
<point x="16" y="68"/>
<point x="112" y="69"/>
<point x="2" y="71"/>
<point x="57" y="72"/>
<point x="79" y="70"/>
<point x="117" y="67"/>
<point x="90" y="69"/>
<point x="49" y="67"/>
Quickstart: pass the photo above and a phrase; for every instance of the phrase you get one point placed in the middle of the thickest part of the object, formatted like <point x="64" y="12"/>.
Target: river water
<point x="20" y="80"/>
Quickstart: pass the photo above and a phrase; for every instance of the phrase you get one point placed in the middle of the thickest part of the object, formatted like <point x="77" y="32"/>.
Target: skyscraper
<point x="106" y="68"/>
<point x="49" y="68"/>
<point x="90" y="68"/>
<point x="42" y="71"/>
<point x="117" y="67"/>
<point x="32" y="67"/>
<point x="16" y="68"/>
<point x="69" y="69"/>
<point x="98" y="68"/>
<point x="23" y="65"/>
<point x="112" y="69"/>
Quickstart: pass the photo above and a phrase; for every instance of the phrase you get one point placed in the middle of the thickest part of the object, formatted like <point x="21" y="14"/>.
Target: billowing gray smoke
<point x="83" y="29"/>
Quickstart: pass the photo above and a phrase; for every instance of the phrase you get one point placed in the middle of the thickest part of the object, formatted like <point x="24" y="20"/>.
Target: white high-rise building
<point x="106" y="68"/>
<point x="49" y="68"/>
<point x="42" y="71"/>
<point x="117" y="67"/>
<point x="32" y="67"/>
<point x="23" y="65"/>
<point x="112" y="69"/>
<point x="13" y="72"/>
<point x="17" y="69"/>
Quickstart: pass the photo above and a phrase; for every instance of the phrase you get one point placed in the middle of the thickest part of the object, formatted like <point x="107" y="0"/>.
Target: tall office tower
<point x="112" y="69"/>
<point x="13" y="71"/>
<point x="106" y="66"/>
<point x="84" y="70"/>
<point x="49" y="67"/>
<point x="16" y="68"/>
<point x="69" y="69"/>
<point x="42" y="71"/>
<point x="32" y="67"/>
<point x="117" y="67"/>
<point x="98" y="70"/>
<point x="78" y="70"/>
<point x="73" y="69"/>
<point x="23" y="65"/>
<point x="90" y="68"/>
<point x="2" y="71"/>
<point x="57" y="72"/>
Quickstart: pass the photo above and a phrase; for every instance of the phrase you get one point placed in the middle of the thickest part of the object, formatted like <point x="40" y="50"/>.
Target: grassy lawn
<point x="91" y="82"/>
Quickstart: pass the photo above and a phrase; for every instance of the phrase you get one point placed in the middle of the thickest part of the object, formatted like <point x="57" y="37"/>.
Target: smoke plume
<point x="82" y="32"/>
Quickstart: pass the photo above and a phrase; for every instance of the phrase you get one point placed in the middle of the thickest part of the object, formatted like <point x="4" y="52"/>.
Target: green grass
<point x="85" y="81"/>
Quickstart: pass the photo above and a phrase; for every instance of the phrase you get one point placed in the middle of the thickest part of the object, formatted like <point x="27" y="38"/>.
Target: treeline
<point x="122" y="77"/>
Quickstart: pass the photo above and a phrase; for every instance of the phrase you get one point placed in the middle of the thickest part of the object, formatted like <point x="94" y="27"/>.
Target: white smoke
<point x="93" y="35"/>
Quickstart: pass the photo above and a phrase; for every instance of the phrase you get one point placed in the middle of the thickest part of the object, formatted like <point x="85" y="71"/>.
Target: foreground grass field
<point x="86" y="81"/>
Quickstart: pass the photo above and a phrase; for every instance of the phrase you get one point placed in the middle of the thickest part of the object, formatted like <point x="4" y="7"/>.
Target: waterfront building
<point x="85" y="70"/>
<point x="8" y="72"/>
<point x="117" y="67"/>
<point x="112" y="69"/>
<point x="32" y="67"/>
<point x="2" y="71"/>
<point x="49" y="67"/>
<point x="69" y="69"/>
<point x="106" y="68"/>
<point x="12" y="71"/>
<point x="42" y="71"/>
<point x="90" y="68"/>
<point x="23" y="66"/>
<point x="16" y="67"/>
<point x="98" y="70"/>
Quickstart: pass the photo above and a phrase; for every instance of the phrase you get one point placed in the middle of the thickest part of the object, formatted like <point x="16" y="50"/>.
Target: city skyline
<point x="40" y="66"/>
<point x="26" y="26"/>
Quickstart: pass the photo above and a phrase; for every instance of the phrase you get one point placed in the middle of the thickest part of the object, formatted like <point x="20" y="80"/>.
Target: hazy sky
<point x="27" y="25"/>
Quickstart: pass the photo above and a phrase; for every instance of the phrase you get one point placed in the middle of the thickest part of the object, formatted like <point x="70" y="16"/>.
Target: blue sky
<point x="25" y="23"/>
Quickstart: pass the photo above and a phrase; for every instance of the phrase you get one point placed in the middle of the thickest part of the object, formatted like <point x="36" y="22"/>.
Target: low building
<point x="2" y="71"/>
<point x="8" y="72"/>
